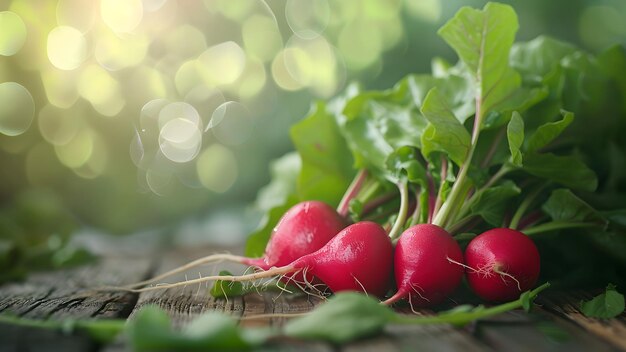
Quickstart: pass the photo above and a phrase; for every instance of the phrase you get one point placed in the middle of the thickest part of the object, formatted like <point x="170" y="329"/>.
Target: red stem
<point x="351" y="192"/>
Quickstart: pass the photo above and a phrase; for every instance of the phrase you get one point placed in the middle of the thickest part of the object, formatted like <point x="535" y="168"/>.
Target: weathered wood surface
<point x="566" y="306"/>
<point x="556" y="324"/>
<point x="68" y="294"/>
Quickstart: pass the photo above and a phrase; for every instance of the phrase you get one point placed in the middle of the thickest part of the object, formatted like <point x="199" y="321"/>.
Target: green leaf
<point x="515" y="135"/>
<point x="225" y="289"/>
<point x="403" y="165"/>
<point x="457" y="90"/>
<point x="482" y="39"/>
<point x="563" y="205"/>
<point x="326" y="161"/>
<point x="376" y="123"/>
<point x="100" y="330"/>
<point x="566" y="170"/>
<point x="216" y="331"/>
<point x="490" y="204"/>
<point x="444" y="133"/>
<point x="344" y="317"/>
<point x="604" y="306"/>
<point x="284" y="173"/>
<point x="255" y="245"/>
<point x="547" y="132"/>
<point x="151" y="330"/>
<point x="537" y="58"/>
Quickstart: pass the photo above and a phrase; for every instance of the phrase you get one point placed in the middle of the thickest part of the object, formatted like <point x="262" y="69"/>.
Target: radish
<point x="428" y="265"/>
<point x="502" y="263"/>
<point x="303" y="229"/>
<point x="358" y="258"/>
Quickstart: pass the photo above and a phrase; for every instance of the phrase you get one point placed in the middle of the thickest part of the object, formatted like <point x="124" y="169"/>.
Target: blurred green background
<point x="131" y="114"/>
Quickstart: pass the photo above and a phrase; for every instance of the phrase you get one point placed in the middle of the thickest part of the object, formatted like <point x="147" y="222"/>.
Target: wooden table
<point x="554" y="325"/>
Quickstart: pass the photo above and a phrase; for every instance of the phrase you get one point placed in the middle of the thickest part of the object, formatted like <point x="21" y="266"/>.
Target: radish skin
<point x="501" y="264"/>
<point x="426" y="265"/>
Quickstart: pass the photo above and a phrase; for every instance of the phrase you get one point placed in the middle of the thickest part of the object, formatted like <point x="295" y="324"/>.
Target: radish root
<point x="249" y="277"/>
<point x="220" y="257"/>
<point x="497" y="269"/>
<point x="488" y="270"/>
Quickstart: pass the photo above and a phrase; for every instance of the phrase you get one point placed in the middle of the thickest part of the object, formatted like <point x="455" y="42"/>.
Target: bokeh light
<point x="67" y="47"/>
<point x="60" y="87"/>
<point x="222" y="64"/>
<point x="17" y="109"/>
<point x="307" y="18"/>
<point x="116" y="52"/>
<point x="179" y="110"/>
<point x="79" y="14"/>
<point x="313" y="63"/>
<point x="12" y="33"/>
<point x="180" y="140"/>
<point x="217" y="168"/>
<point x="231" y="123"/>
<point x="58" y="126"/>
<point x="122" y="16"/>
<point x="261" y="37"/>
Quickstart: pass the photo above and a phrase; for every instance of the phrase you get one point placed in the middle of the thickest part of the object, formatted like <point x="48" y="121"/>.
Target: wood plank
<point x="566" y="305"/>
<point x="67" y="294"/>
<point x="536" y="331"/>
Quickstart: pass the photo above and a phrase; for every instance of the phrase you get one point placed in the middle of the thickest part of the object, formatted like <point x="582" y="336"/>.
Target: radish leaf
<point x="344" y="317"/>
<point x="539" y="57"/>
<point x="482" y="39"/>
<point x="604" y="306"/>
<point x="515" y="135"/>
<point x="565" y="205"/>
<point x="547" y="132"/>
<point x="444" y="133"/>
<point x="567" y="170"/>
<point x="490" y="204"/>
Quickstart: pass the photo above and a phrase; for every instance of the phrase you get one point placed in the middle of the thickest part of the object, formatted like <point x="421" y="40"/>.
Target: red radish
<point x="303" y="229"/>
<point x="358" y="258"/>
<point x="428" y="265"/>
<point x="502" y="263"/>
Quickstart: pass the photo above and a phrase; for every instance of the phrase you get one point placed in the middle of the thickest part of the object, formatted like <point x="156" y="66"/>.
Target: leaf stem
<point x="462" y="318"/>
<point x="402" y="213"/>
<point x="457" y="189"/>
<point x="465" y="208"/>
<point x="456" y="227"/>
<point x="557" y="225"/>
<point x="444" y="174"/>
<point x="415" y="217"/>
<point x="517" y="216"/>
<point x="376" y="202"/>
<point x="351" y="192"/>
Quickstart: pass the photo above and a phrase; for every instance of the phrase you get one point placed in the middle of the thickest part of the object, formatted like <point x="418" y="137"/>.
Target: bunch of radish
<point x="311" y="243"/>
<point x="450" y="180"/>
